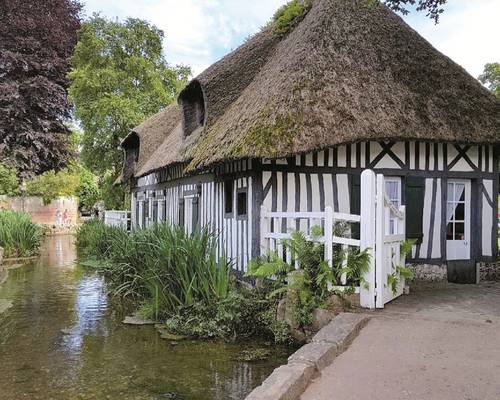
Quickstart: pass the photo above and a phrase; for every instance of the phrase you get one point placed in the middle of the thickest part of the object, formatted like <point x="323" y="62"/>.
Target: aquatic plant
<point x="19" y="235"/>
<point x="161" y="266"/>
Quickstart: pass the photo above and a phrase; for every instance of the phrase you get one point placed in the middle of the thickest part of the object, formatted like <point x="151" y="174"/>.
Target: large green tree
<point x="119" y="78"/>
<point x="491" y="78"/>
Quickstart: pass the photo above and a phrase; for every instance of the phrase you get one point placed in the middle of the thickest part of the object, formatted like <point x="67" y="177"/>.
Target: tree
<point x="434" y="8"/>
<point x="9" y="182"/>
<point x="36" y="40"/>
<point x="119" y="78"/>
<point x="491" y="78"/>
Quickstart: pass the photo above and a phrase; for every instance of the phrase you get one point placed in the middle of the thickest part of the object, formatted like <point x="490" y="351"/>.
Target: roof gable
<point x="350" y="71"/>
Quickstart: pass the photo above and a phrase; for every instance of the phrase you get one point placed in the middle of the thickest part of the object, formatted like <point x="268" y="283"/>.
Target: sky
<point x="200" y="32"/>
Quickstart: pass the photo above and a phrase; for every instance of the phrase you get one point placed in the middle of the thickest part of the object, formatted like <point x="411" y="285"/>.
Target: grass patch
<point x="19" y="235"/>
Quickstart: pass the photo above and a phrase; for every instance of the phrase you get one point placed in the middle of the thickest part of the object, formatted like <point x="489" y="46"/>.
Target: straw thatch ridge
<point x="350" y="71"/>
<point x="153" y="134"/>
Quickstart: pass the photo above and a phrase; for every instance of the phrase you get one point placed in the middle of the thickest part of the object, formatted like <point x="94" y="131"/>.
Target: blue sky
<point x="199" y="32"/>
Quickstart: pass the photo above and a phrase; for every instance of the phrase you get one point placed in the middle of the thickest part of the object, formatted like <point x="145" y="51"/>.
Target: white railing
<point x="117" y="218"/>
<point x="384" y="249"/>
<point x="273" y="236"/>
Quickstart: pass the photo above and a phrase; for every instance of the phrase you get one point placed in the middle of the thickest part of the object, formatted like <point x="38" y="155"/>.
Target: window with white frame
<point x="393" y="190"/>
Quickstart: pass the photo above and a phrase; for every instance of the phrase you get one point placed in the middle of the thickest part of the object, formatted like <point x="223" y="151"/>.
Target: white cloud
<point x="468" y="33"/>
<point x="198" y="32"/>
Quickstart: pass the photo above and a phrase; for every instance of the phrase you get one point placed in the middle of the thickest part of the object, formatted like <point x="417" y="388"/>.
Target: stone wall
<point x="429" y="272"/>
<point x="61" y="212"/>
<point x="488" y="271"/>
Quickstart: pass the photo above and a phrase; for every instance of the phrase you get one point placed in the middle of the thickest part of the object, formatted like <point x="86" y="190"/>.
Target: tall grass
<point x="161" y="265"/>
<point x="19" y="236"/>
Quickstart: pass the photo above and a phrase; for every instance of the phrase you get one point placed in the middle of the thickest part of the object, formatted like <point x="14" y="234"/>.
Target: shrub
<point x="9" y="182"/>
<point x="51" y="185"/>
<point x="19" y="236"/>
<point x="72" y="181"/>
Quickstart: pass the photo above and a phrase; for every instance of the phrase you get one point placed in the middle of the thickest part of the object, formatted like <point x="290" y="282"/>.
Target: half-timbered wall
<point x="162" y="197"/>
<point x="330" y="177"/>
<point x="310" y="182"/>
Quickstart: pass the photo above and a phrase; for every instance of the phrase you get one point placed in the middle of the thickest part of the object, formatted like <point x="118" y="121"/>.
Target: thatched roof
<point x="350" y="71"/>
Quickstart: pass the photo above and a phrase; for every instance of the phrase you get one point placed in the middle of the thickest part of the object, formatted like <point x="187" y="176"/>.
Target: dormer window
<point x="192" y="105"/>
<point x="131" y="145"/>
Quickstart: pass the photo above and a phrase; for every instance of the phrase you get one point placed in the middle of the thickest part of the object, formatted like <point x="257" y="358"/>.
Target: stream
<point x="63" y="339"/>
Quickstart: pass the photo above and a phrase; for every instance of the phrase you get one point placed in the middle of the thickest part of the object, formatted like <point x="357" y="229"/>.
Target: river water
<point x="63" y="339"/>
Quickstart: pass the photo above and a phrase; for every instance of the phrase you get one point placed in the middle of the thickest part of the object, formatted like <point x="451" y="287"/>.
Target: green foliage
<point x="289" y="15"/>
<point x="87" y="189"/>
<point x="394" y="279"/>
<point x="72" y="181"/>
<point x="119" y="78"/>
<point x="491" y="78"/>
<point x="312" y="281"/>
<point x="9" y="182"/>
<point x="51" y="185"/>
<point x="112" y="195"/>
<point x="19" y="236"/>
<point x="160" y="264"/>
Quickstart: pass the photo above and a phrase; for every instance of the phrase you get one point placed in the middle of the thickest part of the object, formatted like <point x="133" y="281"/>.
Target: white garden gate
<point x="382" y="231"/>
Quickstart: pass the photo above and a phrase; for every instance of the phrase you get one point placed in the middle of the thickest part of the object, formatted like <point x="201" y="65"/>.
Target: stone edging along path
<point x="289" y="381"/>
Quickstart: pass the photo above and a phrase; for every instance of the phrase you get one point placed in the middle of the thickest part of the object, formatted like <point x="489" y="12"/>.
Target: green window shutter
<point x="355" y="202"/>
<point x="415" y="197"/>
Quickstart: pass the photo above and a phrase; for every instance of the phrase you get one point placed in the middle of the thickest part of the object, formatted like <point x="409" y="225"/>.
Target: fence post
<point x="367" y="235"/>
<point x="402" y="260"/>
<point x="329" y="235"/>
<point x="380" y="258"/>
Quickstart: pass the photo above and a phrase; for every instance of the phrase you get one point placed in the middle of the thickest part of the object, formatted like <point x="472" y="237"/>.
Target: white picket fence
<point x="376" y="212"/>
<point x="117" y="218"/>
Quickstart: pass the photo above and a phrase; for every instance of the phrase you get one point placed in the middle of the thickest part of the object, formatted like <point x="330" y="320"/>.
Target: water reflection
<point x="63" y="339"/>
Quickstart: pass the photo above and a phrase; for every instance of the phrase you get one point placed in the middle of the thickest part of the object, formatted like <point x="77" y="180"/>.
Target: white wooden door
<point x="458" y="219"/>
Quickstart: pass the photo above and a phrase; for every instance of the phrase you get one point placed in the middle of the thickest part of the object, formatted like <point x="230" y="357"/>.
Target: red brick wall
<point x="51" y="214"/>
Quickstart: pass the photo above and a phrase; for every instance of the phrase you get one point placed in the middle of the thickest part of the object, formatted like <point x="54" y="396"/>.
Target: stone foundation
<point x="428" y="272"/>
<point x="488" y="271"/>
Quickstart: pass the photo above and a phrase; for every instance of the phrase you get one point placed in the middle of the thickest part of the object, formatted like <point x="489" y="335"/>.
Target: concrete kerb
<point x="289" y="381"/>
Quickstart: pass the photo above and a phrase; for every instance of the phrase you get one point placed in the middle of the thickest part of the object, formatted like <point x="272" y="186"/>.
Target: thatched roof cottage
<point x="290" y="119"/>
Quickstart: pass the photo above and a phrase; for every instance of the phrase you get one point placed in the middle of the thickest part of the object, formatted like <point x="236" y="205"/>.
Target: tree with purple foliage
<point x="37" y="39"/>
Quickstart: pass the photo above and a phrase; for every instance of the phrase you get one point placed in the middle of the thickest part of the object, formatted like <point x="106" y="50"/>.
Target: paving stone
<point x="342" y="330"/>
<point x="287" y="382"/>
<point x="319" y="354"/>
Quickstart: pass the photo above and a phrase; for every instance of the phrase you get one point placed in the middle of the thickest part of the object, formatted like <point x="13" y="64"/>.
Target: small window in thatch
<point x="192" y="105"/>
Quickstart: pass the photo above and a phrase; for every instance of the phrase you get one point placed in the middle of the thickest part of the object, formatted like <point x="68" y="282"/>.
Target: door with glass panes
<point x="458" y="218"/>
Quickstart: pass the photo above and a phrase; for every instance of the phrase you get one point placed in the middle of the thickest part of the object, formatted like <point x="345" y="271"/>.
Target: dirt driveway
<point x="434" y="344"/>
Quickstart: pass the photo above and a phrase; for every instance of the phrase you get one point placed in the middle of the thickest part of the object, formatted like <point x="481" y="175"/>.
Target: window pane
<point x="449" y="231"/>
<point x="450" y="207"/>
<point x="242" y="203"/>
<point x="451" y="195"/>
<point x="459" y="231"/>
<point x="460" y="212"/>
<point x="459" y="192"/>
<point x="228" y="194"/>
